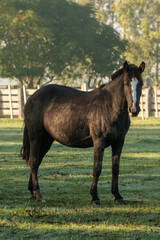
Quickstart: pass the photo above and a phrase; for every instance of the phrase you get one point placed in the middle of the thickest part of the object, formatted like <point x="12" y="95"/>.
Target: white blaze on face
<point x="134" y="84"/>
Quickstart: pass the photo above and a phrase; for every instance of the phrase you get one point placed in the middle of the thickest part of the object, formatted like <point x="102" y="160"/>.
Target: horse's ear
<point x="126" y="66"/>
<point x="142" y="67"/>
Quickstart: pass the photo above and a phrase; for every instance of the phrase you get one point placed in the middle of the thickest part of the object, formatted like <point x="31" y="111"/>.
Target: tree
<point x="103" y="9"/>
<point x="80" y="40"/>
<point x="22" y="46"/>
<point x="55" y="38"/>
<point x="139" y="22"/>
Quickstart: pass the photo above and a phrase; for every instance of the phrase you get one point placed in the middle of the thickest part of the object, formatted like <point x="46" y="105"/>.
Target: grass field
<point x="65" y="177"/>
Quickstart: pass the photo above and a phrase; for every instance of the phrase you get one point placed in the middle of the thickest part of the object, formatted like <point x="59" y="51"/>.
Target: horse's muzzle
<point x="134" y="110"/>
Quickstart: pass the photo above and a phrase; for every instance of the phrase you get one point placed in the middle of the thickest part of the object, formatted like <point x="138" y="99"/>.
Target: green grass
<point x="65" y="177"/>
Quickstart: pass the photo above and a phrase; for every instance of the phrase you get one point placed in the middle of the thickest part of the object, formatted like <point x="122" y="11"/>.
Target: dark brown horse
<point x="74" y="118"/>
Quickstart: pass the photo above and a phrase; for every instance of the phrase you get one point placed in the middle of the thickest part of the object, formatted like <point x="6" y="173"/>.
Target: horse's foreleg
<point x="116" y="152"/>
<point x="97" y="168"/>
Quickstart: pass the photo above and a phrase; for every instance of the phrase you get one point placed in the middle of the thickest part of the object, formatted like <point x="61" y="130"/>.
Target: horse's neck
<point x="116" y="88"/>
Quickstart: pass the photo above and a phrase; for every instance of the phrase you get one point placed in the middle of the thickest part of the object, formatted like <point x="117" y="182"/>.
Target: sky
<point x="6" y="81"/>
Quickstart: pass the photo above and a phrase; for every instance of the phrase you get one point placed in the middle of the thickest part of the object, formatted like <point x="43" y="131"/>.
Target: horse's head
<point x="133" y="86"/>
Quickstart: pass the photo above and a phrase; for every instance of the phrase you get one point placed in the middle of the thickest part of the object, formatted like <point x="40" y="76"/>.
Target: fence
<point x="12" y="102"/>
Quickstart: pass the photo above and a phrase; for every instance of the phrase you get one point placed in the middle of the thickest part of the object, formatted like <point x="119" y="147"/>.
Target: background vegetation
<point x="138" y="22"/>
<point x="55" y="39"/>
<point x="65" y="177"/>
<point x="71" y="41"/>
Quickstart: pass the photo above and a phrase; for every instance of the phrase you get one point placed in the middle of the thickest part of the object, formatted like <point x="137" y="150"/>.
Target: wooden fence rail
<point x="12" y="101"/>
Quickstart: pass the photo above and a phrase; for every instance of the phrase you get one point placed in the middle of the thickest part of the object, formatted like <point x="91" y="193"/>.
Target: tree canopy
<point x="55" y="39"/>
<point x="138" y="23"/>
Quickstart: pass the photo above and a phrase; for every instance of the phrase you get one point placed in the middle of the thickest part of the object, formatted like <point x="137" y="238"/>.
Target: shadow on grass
<point x="77" y="233"/>
<point x="79" y="223"/>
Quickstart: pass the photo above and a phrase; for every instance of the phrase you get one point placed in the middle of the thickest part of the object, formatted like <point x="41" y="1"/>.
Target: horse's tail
<point x="26" y="145"/>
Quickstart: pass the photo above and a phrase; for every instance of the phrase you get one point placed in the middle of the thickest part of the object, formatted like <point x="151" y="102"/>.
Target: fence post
<point x="20" y="102"/>
<point x="84" y="87"/>
<point x="147" y="102"/>
<point x="24" y="95"/>
<point x="10" y="102"/>
<point x="142" y="106"/>
<point x="156" y="103"/>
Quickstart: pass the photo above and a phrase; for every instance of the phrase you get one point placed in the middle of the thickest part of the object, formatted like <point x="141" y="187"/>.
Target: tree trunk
<point x="157" y="58"/>
<point x="30" y="82"/>
<point x="89" y="81"/>
<point x="39" y="81"/>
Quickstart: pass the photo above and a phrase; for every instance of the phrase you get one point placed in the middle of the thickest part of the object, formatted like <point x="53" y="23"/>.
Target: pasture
<point x="65" y="177"/>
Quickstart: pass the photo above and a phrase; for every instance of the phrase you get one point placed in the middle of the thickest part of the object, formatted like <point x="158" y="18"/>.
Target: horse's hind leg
<point x="39" y="148"/>
<point x="34" y="163"/>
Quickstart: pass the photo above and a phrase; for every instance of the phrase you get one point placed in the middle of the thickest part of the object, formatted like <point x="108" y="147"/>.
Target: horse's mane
<point x="120" y="71"/>
<point x="117" y="73"/>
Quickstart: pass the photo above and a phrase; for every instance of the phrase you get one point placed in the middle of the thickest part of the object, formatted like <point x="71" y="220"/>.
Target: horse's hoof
<point x="96" y="202"/>
<point x="119" y="201"/>
<point x="32" y="196"/>
<point x="37" y="195"/>
<point x="41" y="199"/>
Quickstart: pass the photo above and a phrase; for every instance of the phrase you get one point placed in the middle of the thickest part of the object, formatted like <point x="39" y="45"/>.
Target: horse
<point x="99" y="119"/>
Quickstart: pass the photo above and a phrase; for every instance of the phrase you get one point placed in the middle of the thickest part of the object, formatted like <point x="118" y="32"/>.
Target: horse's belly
<point x="79" y="143"/>
<point x="73" y="140"/>
<point x="69" y="134"/>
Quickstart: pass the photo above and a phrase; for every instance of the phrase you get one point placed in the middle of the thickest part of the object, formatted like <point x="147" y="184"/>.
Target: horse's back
<point x="61" y="111"/>
<point x="53" y="92"/>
